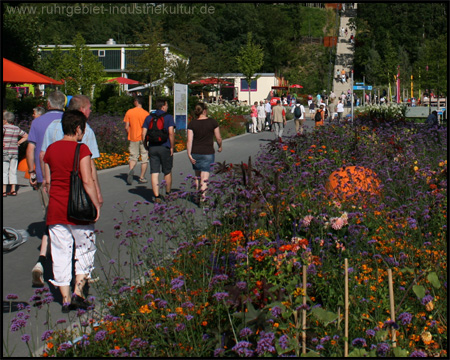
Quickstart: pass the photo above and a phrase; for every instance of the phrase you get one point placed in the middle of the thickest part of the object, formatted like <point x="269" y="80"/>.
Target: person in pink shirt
<point x="254" y="115"/>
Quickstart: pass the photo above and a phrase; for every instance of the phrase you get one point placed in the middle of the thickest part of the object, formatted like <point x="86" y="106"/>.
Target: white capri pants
<point x="10" y="170"/>
<point x="62" y="238"/>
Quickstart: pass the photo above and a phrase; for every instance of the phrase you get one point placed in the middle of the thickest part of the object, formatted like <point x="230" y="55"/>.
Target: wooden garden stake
<point x="391" y="300"/>
<point x="346" y="310"/>
<point x="304" y="312"/>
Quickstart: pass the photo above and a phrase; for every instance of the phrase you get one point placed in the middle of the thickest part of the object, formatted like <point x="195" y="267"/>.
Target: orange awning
<point x="15" y="73"/>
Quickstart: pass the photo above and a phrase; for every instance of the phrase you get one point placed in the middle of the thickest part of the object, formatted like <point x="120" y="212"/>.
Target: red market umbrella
<point x="121" y="80"/>
<point x="296" y="86"/>
<point x="15" y="73"/>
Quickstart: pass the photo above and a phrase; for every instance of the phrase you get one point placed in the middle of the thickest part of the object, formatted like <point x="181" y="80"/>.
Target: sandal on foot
<point x="12" y="193"/>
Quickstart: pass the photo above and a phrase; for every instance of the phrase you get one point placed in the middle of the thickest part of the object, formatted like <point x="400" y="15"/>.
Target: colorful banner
<point x="180" y="105"/>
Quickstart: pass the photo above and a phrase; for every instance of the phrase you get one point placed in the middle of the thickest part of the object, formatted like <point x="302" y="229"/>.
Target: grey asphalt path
<point x="25" y="212"/>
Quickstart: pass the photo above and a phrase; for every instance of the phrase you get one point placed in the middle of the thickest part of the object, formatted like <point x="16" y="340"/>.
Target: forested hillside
<point x="410" y="35"/>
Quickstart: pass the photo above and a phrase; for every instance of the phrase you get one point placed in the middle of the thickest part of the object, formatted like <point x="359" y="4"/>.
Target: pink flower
<point x="337" y="223"/>
<point x="307" y="220"/>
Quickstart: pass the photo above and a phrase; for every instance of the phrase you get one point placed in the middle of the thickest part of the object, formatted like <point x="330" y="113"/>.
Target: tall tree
<point x="250" y="61"/>
<point x="81" y="69"/>
<point x="150" y="63"/>
<point x="20" y="34"/>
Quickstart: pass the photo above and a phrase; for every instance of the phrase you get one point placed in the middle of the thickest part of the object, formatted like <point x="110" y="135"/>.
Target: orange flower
<point x="204" y="323"/>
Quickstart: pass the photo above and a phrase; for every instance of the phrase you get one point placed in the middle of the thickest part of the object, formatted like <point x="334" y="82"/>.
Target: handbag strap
<point x="76" y="160"/>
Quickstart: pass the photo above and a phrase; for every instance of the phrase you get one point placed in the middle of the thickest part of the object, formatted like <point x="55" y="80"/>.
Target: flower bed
<point x="235" y="287"/>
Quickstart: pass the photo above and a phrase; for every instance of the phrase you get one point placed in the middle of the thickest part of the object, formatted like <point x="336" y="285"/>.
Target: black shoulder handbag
<point x="80" y="205"/>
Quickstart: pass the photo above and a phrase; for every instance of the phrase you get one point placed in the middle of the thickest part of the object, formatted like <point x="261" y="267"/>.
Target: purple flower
<point x="383" y="349"/>
<point x="418" y="353"/>
<point x="180" y="327"/>
<point x="319" y="347"/>
<point x="314" y="340"/>
<point x="242" y="348"/>
<point x="311" y="270"/>
<point x="284" y="342"/>
<point x="11" y="297"/>
<point x="172" y="316"/>
<point x="218" y="352"/>
<point x="221" y="296"/>
<point x="187" y="304"/>
<point x="265" y="343"/>
<point x="177" y="283"/>
<point x="359" y="342"/>
<point x="405" y="318"/>
<point x="427" y="299"/>
<point x="65" y="346"/>
<point x="162" y="304"/>
<point x="100" y="336"/>
<point x="46" y="334"/>
<point x="391" y="323"/>
<point x="245" y="332"/>
<point x="26" y="338"/>
<point x="241" y="285"/>
<point x="17" y="324"/>
<point x="370" y="332"/>
<point x="303" y="307"/>
<point x="276" y="311"/>
<point x="189" y="317"/>
<point x="325" y="339"/>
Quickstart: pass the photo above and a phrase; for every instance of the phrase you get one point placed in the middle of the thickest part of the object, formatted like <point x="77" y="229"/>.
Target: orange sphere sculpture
<point x="353" y="182"/>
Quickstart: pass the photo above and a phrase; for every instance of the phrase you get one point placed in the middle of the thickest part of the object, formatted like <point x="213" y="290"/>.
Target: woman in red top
<point x="63" y="230"/>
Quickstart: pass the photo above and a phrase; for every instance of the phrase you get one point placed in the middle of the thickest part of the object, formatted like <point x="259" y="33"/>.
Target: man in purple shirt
<point x="55" y="105"/>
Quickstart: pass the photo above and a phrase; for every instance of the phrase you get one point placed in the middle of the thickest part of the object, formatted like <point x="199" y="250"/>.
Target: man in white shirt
<point x="340" y="110"/>
<point x="299" y="117"/>
<point x="261" y="115"/>
<point x="268" y="109"/>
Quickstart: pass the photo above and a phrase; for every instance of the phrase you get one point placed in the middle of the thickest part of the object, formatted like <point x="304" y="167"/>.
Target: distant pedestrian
<point x="134" y="119"/>
<point x="346" y="32"/>
<point x="343" y="77"/>
<point x="11" y="143"/>
<point x="278" y="119"/>
<point x="161" y="154"/>
<point x="432" y="119"/>
<point x="299" y="117"/>
<point x="261" y="116"/>
<point x="319" y="117"/>
<point x="340" y="110"/>
<point x="38" y="111"/>
<point x="254" y="115"/>
<point x="332" y="110"/>
<point x="311" y="107"/>
<point x="200" y="145"/>
<point x="268" y="109"/>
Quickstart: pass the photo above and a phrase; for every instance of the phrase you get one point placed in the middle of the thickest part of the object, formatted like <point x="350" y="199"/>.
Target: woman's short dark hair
<point x="199" y="108"/>
<point x="71" y="120"/>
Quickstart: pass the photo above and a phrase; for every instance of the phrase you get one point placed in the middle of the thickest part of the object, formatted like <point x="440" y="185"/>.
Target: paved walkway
<point x="344" y="55"/>
<point x="24" y="212"/>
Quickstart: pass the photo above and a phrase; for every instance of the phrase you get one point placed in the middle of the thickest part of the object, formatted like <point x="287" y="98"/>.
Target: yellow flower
<point x="145" y="309"/>
<point x="426" y="337"/>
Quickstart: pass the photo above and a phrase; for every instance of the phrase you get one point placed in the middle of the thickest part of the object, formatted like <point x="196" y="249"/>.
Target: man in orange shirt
<point x="134" y="119"/>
